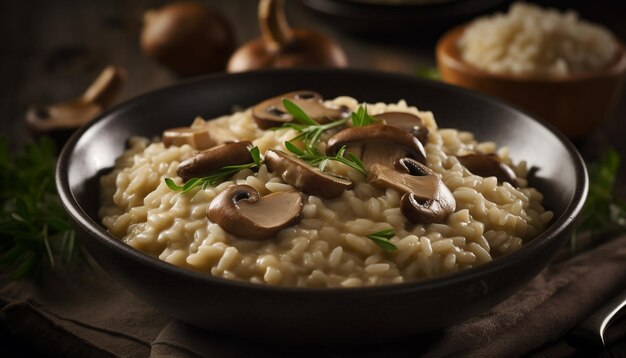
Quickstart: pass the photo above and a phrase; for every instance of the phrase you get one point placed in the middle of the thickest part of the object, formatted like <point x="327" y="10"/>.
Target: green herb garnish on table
<point x="603" y="214"/>
<point x="218" y="176"/>
<point x="34" y="228"/>
<point x="428" y="73"/>
<point x="381" y="238"/>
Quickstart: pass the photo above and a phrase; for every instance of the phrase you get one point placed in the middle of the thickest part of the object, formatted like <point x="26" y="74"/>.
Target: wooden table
<point x="51" y="50"/>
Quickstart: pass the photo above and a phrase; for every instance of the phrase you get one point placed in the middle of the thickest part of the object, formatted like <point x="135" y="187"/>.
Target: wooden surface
<point x="51" y="50"/>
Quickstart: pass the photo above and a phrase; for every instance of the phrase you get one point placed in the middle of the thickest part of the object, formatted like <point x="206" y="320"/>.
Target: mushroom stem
<point x="103" y="90"/>
<point x="274" y="27"/>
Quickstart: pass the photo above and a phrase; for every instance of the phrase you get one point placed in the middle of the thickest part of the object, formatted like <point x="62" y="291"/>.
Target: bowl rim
<point x="94" y="229"/>
<point x="448" y="55"/>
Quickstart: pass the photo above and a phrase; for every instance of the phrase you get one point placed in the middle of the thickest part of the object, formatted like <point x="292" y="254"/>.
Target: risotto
<point x="362" y="231"/>
<point x="535" y="41"/>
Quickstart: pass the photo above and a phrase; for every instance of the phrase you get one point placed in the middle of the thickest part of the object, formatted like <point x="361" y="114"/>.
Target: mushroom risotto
<point x="299" y="191"/>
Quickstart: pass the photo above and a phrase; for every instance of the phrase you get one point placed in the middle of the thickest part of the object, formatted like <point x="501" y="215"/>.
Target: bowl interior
<point x="332" y="315"/>
<point x="105" y="139"/>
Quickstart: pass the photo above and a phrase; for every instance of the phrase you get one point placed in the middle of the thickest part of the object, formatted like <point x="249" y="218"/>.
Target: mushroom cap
<point x="381" y="138"/>
<point x="305" y="48"/>
<point x="406" y="121"/>
<point x="207" y="161"/>
<point x="241" y="211"/>
<point x="272" y="113"/>
<point x="301" y="175"/>
<point x="489" y="165"/>
<point x="426" y="198"/>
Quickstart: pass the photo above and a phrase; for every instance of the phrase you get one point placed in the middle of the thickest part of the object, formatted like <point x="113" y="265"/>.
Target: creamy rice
<point x="328" y="247"/>
<point x="530" y="40"/>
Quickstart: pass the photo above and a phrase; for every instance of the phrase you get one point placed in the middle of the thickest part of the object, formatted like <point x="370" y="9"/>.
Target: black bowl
<point x="320" y="315"/>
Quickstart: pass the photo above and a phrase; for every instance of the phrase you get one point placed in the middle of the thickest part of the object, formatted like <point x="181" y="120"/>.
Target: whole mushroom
<point x="282" y="47"/>
<point x="188" y="37"/>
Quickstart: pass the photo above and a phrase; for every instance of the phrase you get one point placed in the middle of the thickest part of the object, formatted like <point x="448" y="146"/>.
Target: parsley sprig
<point x="381" y="238"/>
<point x="361" y="118"/>
<point x="310" y="130"/>
<point x="315" y="158"/>
<point x="35" y="232"/>
<point x="217" y="176"/>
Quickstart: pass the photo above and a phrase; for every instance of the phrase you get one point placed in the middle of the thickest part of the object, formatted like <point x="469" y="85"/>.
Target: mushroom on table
<point x="241" y="211"/>
<point x="426" y="198"/>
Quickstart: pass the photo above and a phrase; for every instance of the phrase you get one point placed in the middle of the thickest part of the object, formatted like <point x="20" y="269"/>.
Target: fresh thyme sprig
<point x="217" y="176"/>
<point x="603" y="214"/>
<point x="315" y="158"/>
<point x="310" y="130"/>
<point x="34" y="228"/>
<point x="381" y="238"/>
<point x="361" y="118"/>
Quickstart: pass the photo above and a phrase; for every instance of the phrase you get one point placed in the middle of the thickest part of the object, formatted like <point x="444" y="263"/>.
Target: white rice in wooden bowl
<point x="328" y="247"/>
<point x="530" y="40"/>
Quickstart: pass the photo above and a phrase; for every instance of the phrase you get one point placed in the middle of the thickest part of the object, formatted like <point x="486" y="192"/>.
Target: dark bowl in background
<point x="406" y="19"/>
<point x="300" y="315"/>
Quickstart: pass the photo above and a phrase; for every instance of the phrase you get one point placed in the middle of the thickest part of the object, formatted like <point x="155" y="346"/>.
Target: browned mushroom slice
<point x="377" y="143"/>
<point x="198" y="138"/>
<point x="241" y="211"/>
<point x="407" y="122"/>
<point x="304" y="177"/>
<point x="207" y="161"/>
<point x="426" y="198"/>
<point x="489" y="165"/>
<point x="77" y="112"/>
<point x="271" y="112"/>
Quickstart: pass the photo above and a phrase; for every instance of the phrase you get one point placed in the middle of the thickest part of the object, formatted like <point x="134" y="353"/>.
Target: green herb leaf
<point x="602" y="215"/>
<point x="381" y="238"/>
<point x="315" y="158"/>
<point x="361" y="118"/>
<point x="33" y="223"/>
<point x="217" y="176"/>
<point x="429" y="73"/>
<point x="297" y="113"/>
<point x="310" y="131"/>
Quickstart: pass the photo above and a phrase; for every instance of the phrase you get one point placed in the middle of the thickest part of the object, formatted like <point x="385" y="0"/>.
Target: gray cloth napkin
<point x="86" y="313"/>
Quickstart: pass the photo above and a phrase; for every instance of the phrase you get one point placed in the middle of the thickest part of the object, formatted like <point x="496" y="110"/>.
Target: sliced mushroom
<point x="407" y="122"/>
<point x="271" y="112"/>
<point x="304" y="177"/>
<point x="74" y="113"/>
<point x="198" y="138"/>
<point x="209" y="160"/>
<point x="377" y="143"/>
<point x="426" y="198"/>
<point x="241" y="211"/>
<point x="489" y="165"/>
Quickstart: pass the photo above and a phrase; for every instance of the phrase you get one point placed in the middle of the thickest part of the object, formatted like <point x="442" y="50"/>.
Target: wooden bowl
<point x="575" y="104"/>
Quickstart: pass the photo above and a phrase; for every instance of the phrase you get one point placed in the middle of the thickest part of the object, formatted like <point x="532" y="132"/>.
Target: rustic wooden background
<point x="52" y="50"/>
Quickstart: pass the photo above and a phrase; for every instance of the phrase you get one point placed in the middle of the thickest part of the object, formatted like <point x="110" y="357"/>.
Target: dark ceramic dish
<point x="320" y="315"/>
